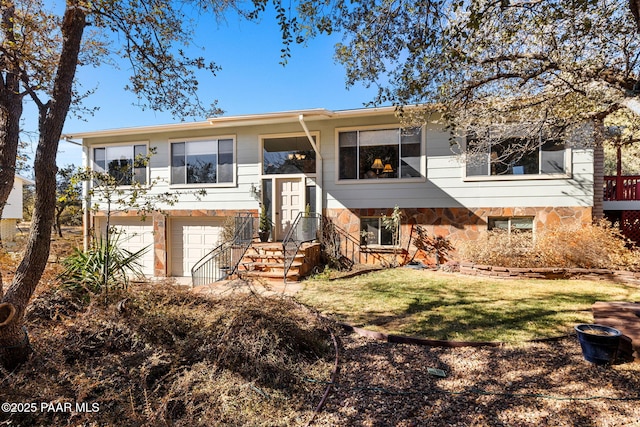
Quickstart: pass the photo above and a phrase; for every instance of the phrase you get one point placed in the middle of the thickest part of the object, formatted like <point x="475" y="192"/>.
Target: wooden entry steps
<point x="266" y="261"/>
<point x="623" y="316"/>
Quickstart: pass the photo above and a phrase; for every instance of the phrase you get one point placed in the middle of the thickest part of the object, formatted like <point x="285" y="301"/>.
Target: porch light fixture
<point x="377" y="165"/>
<point x="387" y="168"/>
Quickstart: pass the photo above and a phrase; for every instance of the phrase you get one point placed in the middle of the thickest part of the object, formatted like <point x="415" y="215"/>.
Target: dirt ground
<point x="376" y="383"/>
<point x="542" y="384"/>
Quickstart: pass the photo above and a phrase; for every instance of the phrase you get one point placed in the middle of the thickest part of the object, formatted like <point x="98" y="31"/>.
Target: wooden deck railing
<point x="622" y="188"/>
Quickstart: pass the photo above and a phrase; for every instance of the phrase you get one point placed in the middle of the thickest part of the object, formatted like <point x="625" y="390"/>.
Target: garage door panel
<point x="212" y="240"/>
<point x="191" y="239"/>
<point x="195" y="239"/>
<point x="134" y="235"/>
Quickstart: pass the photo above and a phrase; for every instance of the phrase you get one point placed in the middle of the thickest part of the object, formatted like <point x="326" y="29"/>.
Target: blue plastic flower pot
<point x="599" y="343"/>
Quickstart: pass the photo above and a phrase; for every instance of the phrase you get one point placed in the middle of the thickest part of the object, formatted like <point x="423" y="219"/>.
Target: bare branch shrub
<point x="501" y="248"/>
<point x="439" y="246"/>
<point x="333" y="248"/>
<point x="592" y="246"/>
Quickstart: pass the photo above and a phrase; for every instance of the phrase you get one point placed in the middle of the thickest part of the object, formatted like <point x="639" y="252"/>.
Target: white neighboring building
<point x="12" y="212"/>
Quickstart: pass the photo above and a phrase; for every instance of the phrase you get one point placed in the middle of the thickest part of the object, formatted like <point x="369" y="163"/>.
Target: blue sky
<point x="251" y="81"/>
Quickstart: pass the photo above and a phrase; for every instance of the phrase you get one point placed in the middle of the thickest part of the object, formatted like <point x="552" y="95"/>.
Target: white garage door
<point x="191" y="239"/>
<point x="135" y="235"/>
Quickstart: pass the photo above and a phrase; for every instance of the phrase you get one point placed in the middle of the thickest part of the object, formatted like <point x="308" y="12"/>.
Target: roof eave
<point x="229" y="121"/>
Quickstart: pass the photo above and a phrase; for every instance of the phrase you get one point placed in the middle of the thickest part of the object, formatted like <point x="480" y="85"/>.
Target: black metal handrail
<point x="223" y="261"/>
<point x="213" y="266"/>
<point x="340" y="247"/>
<point x="304" y="229"/>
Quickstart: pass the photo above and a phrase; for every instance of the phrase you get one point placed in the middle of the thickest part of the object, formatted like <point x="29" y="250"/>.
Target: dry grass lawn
<point x="456" y="307"/>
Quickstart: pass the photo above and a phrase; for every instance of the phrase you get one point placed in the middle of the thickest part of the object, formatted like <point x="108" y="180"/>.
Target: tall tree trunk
<point x="14" y="345"/>
<point x="10" y="113"/>
<point x="634" y="6"/>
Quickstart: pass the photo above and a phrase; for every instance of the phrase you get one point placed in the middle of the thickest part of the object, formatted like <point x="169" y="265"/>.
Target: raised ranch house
<point x="350" y="166"/>
<point x="12" y="212"/>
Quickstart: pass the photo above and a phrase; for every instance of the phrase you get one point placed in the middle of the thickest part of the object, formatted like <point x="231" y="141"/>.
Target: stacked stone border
<point x="618" y="276"/>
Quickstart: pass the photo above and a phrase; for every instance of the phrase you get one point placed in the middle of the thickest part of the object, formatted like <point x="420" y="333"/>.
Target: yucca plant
<point x="104" y="266"/>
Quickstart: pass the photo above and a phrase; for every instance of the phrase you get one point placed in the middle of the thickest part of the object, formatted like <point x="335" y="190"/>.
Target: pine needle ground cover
<point x="161" y="355"/>
<point x="454" y="307"/>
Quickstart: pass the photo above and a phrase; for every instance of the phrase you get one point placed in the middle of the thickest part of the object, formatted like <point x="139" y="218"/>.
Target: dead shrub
<point x="502" y="249"/>
<point x="597" y="245"/>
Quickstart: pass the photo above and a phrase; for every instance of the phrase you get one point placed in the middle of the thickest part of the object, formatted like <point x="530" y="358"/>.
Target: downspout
<point x="319" y="182"/>
<point x="309" y="137"/>
<point x="86" y="220"/>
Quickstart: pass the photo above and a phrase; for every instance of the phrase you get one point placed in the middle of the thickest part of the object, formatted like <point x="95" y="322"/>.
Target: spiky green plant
<point x="87" y="270"/>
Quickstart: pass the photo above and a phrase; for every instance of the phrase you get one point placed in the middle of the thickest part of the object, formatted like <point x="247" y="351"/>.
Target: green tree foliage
<point x="630" y="160"/>
<point x="532" y="70"/>
<point x="68" y="198"/>
<point x="40" y="51"/>
<point x="554" y="63"/>
<point x="28" y="201"/>
<point x="23" y="159"/>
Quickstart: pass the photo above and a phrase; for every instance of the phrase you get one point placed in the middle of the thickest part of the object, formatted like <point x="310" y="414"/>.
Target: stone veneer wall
<point x="455" y="224"/>
<point x="460" y="224"/>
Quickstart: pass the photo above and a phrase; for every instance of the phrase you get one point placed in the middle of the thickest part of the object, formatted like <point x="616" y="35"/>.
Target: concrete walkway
<point x="256" y="286"/>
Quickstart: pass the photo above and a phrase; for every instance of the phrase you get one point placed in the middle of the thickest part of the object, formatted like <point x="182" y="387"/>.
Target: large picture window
<point x="126" y="163"/>
<point x="380" y="154"/>
<point x="202" y="162"/>
<point x="507" y="157"/>
<point x="288" y="155"/>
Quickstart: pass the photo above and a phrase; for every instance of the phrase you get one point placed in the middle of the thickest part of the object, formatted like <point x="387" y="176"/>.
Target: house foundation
<point x="458" y="224"/>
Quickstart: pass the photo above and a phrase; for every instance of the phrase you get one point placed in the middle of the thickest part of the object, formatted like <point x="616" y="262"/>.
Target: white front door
<point x="289" y="202"/>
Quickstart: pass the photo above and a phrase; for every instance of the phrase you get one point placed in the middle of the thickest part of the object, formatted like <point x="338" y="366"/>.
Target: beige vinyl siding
<point x="443" y="186"/>
<point x="13" y="207"/>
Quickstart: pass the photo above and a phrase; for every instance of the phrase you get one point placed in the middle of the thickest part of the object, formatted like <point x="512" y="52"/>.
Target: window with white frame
<point x="126" y="163"/>
<point x="516" y="156"/>
<point x="391" y="153"/>
<point x="202" y="162"/>
<point x="373" y="232"/>
<point x="517" y="224"/>
<point x="288" y="155"/>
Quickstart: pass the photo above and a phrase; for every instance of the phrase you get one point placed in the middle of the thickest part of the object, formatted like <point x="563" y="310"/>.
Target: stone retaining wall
<point x="628" y="277"/>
